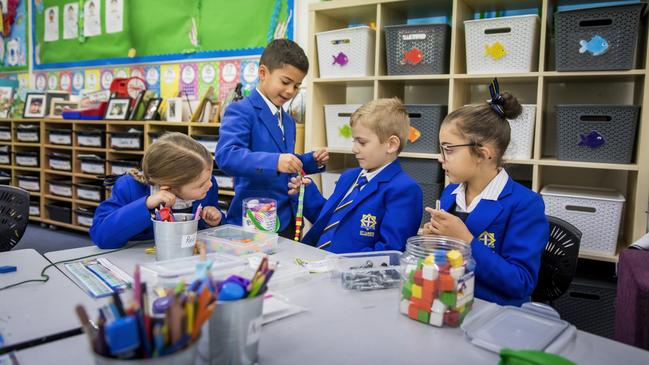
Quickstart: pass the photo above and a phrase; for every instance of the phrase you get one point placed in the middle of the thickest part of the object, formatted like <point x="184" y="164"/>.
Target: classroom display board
<point x="13" y="35"/>
<point x="69" y="33"/>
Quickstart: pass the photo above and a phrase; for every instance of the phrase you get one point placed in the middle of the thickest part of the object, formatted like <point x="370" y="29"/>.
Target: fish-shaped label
<point x="413" y="57"/>
<point x="596" y="46"/>
<point x="340" y="59"/>
<point x="593" y="139"/>
<point x="495" y="50"/>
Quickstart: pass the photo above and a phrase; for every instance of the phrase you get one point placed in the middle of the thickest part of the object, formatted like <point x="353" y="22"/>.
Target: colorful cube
<point x="438" y="306"/>
<point x="413" y="312"/>
<point x="449" y="298"/>
<point x="410" y="268"/>
<point x="429" y="260"/>
<point x="403" y="306"/>
<point x="418" y="278"/>
<point x="457" y="272"/>
<point x="406" y="290"/>
<point x="429" y="290"/>
<point x="423" y="304"/>
<point x="423" y="316"/>
<point x="452" y="318"/>
<point x="429" y="272"/>
<point x="443" y="267"/>
<point x="416" y="291"/>
<point x="454" y="257"/>
<point x="446" y="282"/>
<point x="420" y="263"/>
<point x="436" y="319"/>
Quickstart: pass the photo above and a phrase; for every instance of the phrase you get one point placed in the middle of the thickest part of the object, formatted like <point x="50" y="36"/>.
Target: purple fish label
<point x="340" y="59"/>
<point x="593" y="139"/>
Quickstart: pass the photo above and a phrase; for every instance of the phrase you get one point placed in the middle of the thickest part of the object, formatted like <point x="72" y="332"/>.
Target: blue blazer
<point x="392" y="197"/>
<point x="249" y="146"/>
<point x="507" y="265"/>
<point x="124" y="216"/>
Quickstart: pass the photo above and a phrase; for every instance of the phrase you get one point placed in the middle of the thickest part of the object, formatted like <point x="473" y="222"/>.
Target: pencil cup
<point x="186" y="356"/>
<point x="175" y="239"/>
<point x="233" y="332"/>
<point x="260" y="214"/>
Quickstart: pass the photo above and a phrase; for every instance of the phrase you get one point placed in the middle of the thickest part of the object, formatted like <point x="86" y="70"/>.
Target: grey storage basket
<point x="426" y="118"/>
<point x="616" y="124"/>
<point x="432" y="40"/>
<point x="617" y="25"/>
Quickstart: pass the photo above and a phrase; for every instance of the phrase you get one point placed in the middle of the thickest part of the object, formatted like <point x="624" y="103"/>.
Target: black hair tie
<point x="497" y="101"/>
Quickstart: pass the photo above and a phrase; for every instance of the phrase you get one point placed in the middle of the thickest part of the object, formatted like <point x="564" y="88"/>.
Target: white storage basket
<point x="346" y="52"/>
<point x="337" y="125"/>
<point x="522" y="135"/>
<point x="502" y="45"/>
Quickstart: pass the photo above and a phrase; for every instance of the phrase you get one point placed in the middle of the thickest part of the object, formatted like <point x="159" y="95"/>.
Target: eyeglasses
<point x="446" y="149"/>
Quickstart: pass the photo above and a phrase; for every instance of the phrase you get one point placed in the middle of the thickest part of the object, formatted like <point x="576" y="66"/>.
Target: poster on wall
<point x="228" y="76"/>
<point x="114" y="16"/>
<point x="71" y="21"/>
<point x="249" y="75"/>
<point x="13" y="37"/>
<point x="208" y="76"/>
<point x="78" y="82"/>
<point x="189" y="79"/>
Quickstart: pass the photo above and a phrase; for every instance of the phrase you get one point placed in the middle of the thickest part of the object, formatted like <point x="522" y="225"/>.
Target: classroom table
<point x="349" y="327"/>
<point x="34" y="310"/>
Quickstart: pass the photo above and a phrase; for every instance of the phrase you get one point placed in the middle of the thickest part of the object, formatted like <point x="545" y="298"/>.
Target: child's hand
<point x="164" y="197"/>
<point x="295" y="183"/>
<point x="289" y="163"/>
<point x="321" y="157"/>
<point x="446" y="224"/>
<point x="211" y="216"/>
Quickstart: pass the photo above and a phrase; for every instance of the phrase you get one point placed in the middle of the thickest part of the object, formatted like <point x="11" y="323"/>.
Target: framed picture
<point x="55" y="95"/>
<point x="117" y="109"/>
<point x="136" y="104"/>
<point x="152" y="108"/>
<point x="34" y="105"/>
<point x="57" y="107"/>
<point x="174" y="110"/>
<point x="6" y="99"/>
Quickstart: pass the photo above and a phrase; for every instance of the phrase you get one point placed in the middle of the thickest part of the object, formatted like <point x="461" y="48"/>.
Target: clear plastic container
<point x="260" y="214"/>
<point x="366" y="270"/>
<point x="437" y="280"/>
<point x="235" y="240"/>
<point x="169" y="272"/>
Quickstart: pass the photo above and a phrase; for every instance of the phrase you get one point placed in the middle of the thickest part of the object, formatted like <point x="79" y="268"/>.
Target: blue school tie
<point x="339" y="213"/>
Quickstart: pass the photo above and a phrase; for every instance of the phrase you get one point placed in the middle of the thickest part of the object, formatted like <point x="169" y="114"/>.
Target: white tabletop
<point x="36" y="309"/>
<point x="342" y="326"/>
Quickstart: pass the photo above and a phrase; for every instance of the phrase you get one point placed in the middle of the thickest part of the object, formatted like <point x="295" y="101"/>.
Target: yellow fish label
<point x="495" y="50"/>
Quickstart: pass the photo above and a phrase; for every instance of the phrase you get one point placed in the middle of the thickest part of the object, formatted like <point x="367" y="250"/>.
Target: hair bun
<point x="511" y="107"/>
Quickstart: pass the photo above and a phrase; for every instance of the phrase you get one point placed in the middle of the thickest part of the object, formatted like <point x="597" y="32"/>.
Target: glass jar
<point x="437" y="280"/>
<point x="260" y="214"/>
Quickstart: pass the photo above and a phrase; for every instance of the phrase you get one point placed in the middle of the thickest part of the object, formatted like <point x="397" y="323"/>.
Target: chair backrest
<point x="559" y="261"/>
<point x="14" y="215"/>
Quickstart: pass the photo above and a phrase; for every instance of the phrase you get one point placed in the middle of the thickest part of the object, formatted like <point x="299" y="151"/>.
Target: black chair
<point x="14" y="215"/>
<point x="559" y="261"/>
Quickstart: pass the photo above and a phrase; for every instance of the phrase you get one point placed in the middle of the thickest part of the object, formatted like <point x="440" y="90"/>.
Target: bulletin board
<point x="13" y="38"/>
<point x="160" y="30"/>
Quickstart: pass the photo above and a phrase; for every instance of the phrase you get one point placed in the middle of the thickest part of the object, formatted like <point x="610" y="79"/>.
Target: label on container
<point x="225" y="182"/>
<point x="125" y="142"/>
<point x="92" y="168"/>
<point x="84" y="221"/>
<point x="89" y="141"/>
<point x="29" y="185"/>
<point x="60" y="139"/>
<point x="61" y="190"/>
<point x="188" y="240"/>
<point x="5" y="136"/>
<point x="414" y="37"/>
<point x="88" y="194"/>
<point x="209" y="145"/>
<point x="254" y="331"/>
<point x="4" y="159"/>
<point x="61" y="165"/>
<point x="120" y="170"/>
<point x="26" y="161"/>
<point x="27" y="136"/>
<point x="465" y="287"/>
<point x="34" y="210"/>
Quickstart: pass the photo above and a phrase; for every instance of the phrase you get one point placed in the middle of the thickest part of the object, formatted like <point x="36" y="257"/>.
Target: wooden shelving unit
<point x="544" y="87"/>
<point x="44" y="147"/>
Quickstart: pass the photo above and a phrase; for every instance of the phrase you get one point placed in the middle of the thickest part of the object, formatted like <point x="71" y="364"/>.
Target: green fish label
<point x="345" y="131"/>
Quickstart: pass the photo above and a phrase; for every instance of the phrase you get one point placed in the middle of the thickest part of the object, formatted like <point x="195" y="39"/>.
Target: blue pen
<point x="142" y="331"/>
<point x="158" y="339"/>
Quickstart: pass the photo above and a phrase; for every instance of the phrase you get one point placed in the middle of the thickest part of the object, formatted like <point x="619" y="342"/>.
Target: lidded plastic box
<point x="235" y="240"/>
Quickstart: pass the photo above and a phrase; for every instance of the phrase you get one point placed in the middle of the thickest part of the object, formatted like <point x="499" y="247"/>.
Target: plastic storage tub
<point x="502" y="45"/>
<point x="126" y="140"/>
<point x="366" y="270"/>
<point x="93" y="191"/>
<point x="234" y="240"/>
<point x="90" y="138"/>
<point x="27" y="158"/>
<point x="596" y="133"/>
<point x="339" y="132"/>
<point x="60" y="136"/>
<point x="85" y="216"/>
<point x="28" y="133"/>
<point x="60" y="187"/>
<point x="60" y="161"/>
<point x="209" y="142"/>
<point x="60" y="211"/>
<point x="416" y="49"/>
<point x="601" y="38"/>
<point x="120" y="167"/>
<point x="347" y="52"/>
<point x="92" y="165"/>
<point x="29" y="183"/>
<point x="595" y="212"/>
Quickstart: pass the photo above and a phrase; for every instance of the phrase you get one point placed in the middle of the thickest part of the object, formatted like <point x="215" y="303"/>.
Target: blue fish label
<point x="593" y="139"/>
<point x="596" y="46"/>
